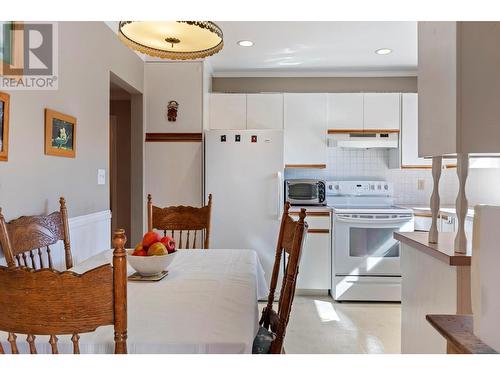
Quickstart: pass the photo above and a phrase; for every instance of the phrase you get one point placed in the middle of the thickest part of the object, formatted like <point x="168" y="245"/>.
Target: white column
<point x="437" y="163"/>
<point x="461" y="203"/>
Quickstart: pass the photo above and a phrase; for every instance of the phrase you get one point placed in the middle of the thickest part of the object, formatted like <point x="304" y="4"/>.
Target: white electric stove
<point x="366" y="257"/>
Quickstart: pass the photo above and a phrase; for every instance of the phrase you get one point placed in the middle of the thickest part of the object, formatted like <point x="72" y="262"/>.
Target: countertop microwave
<point x="307" y="192"/>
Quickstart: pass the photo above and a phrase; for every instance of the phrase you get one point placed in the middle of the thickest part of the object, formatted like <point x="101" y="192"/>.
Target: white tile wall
<point x="483" y="185"/>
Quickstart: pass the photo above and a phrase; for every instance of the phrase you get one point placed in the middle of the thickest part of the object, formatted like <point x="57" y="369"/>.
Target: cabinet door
<point x="422" y="223"/>
<point x="447" y="223"/>
<point x="228" y="111"/>
<point x="381" y="111"/>
<point x="305" y="128"/>
<point x="265" y="111"/>
<point x="409" y="133"/>
<point x="345" y="111"/>
<point x="315" y="262"/>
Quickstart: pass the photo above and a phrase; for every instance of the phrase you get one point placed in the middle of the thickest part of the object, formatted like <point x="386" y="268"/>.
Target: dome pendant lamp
<point x="174" y="40"/>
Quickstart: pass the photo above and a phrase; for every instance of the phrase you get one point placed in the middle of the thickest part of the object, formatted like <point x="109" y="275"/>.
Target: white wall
<point x="174" y="169"/>
<point x="179" y="81"/>
<point x="31" y="182"/>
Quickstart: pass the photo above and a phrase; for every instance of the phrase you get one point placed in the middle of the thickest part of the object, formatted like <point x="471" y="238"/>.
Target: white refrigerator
<point x="244" y="174"/>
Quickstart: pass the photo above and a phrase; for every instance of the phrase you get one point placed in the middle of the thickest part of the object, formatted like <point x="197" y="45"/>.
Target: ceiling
<point x="316" y="49"/>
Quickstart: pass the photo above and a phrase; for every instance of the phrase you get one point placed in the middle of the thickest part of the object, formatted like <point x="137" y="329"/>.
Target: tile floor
<point x="320" y="325"/>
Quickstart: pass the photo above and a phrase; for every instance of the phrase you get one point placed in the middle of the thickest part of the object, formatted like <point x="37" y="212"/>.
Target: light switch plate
<point x="101" y="177"/>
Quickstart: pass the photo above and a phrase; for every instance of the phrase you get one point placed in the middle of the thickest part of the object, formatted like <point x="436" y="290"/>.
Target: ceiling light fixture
<point x="245" y="43"/>
<point x="383" y="51"/>
<point x="175" y="40"/>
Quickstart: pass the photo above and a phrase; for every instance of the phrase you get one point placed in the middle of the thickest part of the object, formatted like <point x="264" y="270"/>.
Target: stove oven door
<point x="364" y="243"/>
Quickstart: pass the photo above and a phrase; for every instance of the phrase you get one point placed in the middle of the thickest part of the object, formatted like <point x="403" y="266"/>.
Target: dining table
<point x="207" y="303"/>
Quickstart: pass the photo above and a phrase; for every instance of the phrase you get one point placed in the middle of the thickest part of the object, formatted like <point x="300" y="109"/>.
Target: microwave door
<point x="303" y="193"/>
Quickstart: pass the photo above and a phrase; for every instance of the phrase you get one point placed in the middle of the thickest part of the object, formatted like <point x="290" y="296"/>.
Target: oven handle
<point x="373" y="220"/>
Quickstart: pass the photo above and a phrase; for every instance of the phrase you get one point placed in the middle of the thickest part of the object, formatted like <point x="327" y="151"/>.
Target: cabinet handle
<point x="279" y="210"/>
<point x="318" y="231"/>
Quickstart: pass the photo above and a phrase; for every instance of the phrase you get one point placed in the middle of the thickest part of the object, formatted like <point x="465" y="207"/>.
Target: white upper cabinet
<point x="345" y="111"/>
<point x="265" y="111"/>
<point x="305" y="128"/>
<point x="381" y="111"/>
<point x="409" y="133"/>
<point x="228" y="111"/>
<point x="246" y="111"/>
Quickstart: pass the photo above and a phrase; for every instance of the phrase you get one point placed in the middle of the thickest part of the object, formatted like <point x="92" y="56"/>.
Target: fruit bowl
<point x="149" y="265"/>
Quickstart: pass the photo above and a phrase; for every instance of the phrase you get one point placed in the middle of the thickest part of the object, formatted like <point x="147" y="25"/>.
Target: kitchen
<point x="351" y="158"/>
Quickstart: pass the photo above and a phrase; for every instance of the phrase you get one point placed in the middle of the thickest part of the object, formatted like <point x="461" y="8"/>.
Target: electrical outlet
<point x="420" y="184"/>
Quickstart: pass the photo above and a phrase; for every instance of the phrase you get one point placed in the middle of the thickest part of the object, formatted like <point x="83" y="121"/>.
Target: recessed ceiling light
<point x="383" y="51"/>
<point x="245" y="43"/>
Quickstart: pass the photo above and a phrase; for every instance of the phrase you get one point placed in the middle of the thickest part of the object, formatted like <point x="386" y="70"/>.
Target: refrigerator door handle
<point x="279" y="211"/>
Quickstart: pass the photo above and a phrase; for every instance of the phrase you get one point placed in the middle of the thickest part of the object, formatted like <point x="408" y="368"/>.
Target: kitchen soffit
<point x="315" y="49"/>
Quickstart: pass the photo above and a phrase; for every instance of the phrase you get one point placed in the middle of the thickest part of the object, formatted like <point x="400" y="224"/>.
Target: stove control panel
<point x="360" y="188"/>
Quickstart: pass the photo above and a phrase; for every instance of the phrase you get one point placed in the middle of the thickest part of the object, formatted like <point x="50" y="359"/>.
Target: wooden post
<point x="437" y="163"/>
<point x="462" y="205"/>
<point x="150" y="213"/>
<point x="65" y="224"/>
<point x="5" y="243"/>
<point x="120" y="291"/>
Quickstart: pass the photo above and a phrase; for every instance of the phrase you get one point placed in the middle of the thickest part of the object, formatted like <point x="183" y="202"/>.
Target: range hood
<point x="363" y="139"/>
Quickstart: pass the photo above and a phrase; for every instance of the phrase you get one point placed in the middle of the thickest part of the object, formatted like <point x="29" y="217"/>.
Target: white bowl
<point x="149" y="265"/>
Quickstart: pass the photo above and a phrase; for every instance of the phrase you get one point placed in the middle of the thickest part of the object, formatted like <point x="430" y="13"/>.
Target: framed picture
<point x="4" y="126"/>
<point x="60" y="134"/>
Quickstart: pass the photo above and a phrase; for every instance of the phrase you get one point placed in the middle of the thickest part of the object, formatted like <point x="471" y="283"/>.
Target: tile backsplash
<point x="483" y="185"/>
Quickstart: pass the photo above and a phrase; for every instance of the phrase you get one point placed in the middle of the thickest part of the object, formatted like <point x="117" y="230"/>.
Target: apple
<point x="157" y="249"/>
<point x="169" y="243"/>
<point x="150" y="238"/>
<point x="140" y="253"/>
<point x="138" y="248"/>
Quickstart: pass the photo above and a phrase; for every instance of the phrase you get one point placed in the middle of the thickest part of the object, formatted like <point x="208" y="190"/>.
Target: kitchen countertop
<point x="443" y="250"/>
<point x="312" y="210"/>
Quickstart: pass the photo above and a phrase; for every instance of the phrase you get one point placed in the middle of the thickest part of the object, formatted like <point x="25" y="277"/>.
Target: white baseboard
<point x="89" y="234"/>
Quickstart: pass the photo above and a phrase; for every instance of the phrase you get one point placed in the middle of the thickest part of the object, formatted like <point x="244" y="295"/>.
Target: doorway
<point x="125" y="160"/>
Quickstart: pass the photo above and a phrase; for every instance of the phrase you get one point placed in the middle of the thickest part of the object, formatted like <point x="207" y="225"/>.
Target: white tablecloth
<point x="206" y="304"/>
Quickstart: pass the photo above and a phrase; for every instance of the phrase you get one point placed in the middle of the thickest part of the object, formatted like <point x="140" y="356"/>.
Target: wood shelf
<point x="457" y="330"/>
<point x="362" y="131"/>
<point x="306" y="166"/>
<point x="174" y="137"/>
<point x="311" y="213"/>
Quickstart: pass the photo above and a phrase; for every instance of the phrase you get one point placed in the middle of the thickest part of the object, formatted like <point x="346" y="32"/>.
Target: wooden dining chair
<point x="24" y="239"/>
<point x="52" y="303"/>
<point x="271" y="334"/>
<point x="181" y="219"/>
